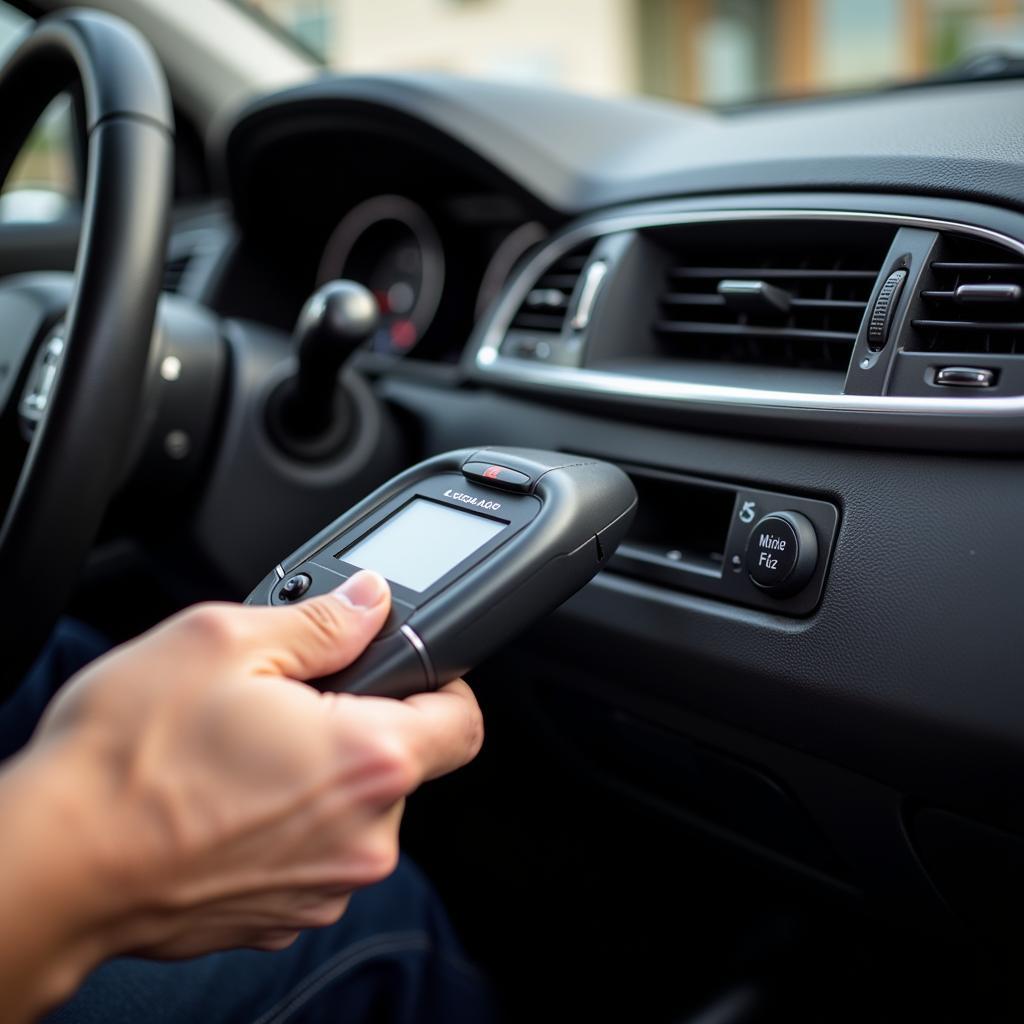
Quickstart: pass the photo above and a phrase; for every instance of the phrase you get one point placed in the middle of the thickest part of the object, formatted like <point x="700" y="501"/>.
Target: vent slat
<point x="772" y="273"/>
<point x="574" y="263"/>
<point x="566" y="281"/>
<point x="934" y="295"/>
<point x="968" y="325"/>
<point x="174" y="272"/>
<point x="538" y="321"/>
<point x="710" y="299"/>
<point x="827" y="304"/>
<point x="752" y="331"/>
<point x="966" y="328"/>
<point x="546" y="304"/>
<point x="977" y="267"/>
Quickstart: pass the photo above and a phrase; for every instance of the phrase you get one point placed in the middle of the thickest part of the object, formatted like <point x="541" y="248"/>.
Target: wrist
<point x="53" y="899"/>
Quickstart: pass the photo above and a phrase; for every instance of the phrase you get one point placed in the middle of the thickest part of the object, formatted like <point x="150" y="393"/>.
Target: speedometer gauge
<point x="391" y="246"/>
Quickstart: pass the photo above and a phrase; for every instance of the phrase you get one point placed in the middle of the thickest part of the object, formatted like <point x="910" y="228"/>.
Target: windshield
<point x="698" y="51"/>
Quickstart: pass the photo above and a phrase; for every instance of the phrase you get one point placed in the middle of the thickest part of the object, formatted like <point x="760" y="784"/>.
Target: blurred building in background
<point x="704" y="51"/>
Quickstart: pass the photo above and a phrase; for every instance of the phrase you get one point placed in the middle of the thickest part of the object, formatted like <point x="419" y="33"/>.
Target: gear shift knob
<point x="336" y="319"/>
<point x="309" y="415"/>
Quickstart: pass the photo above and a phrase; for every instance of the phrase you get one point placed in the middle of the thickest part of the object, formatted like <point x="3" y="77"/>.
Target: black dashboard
<point x="810" y="309"/>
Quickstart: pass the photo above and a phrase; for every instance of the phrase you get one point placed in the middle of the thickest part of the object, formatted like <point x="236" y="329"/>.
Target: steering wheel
<point x="71" y="381"/>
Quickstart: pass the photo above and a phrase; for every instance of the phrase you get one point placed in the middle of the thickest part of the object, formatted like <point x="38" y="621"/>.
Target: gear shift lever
<point x="309" y="415"/>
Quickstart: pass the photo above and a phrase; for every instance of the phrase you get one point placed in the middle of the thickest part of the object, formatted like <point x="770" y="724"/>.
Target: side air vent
<point x="769" y="294"/>
<point x="547" y="303"/>
<point x="538" y="329"/>
<point x="192" y="253"/>
<point x="972" y="301"/>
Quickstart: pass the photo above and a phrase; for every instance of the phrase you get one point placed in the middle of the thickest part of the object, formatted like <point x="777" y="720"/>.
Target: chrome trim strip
<point x="490" y="363"/>
<point x="280" y="572"/>
<point x="420" y="647"/>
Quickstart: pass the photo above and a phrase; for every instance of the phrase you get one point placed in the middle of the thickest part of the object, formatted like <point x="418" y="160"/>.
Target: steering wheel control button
<point x="500" y="476"/>
<point x="782" y="553"/>
<point x="294" y="587"/>
<point x="881" y="314"/>
<point x="42" y="378"/>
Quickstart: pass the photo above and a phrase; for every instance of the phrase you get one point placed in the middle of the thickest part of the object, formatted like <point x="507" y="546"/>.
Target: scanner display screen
<point x="421" y="542"/>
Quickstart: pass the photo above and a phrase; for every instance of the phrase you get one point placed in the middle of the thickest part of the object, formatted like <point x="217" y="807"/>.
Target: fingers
<point x="325" y="634"/>
<point x="420" y="738"/>
<point x="301" y="641"/>
<point x="449" y="727"/>
<point x="438" y="732"/>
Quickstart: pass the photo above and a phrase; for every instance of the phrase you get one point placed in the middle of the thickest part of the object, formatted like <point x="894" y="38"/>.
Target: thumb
<point x="326" y="633"/>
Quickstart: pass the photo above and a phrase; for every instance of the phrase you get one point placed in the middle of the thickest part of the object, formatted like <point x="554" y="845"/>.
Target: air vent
<point x="192" y="254"/>
<point x="547" y="302"/>
<point x="972" y="302"/>
<point x="174" y="271"/>
<point x="769" y="294"/>
<point x="907" y="325"/>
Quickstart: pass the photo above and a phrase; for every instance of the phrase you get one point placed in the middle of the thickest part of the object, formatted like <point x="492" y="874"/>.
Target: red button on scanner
<point x="501" y="476"/>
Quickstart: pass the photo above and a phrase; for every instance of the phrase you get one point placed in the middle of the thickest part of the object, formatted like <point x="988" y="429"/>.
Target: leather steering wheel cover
<point x="80" y="447"/>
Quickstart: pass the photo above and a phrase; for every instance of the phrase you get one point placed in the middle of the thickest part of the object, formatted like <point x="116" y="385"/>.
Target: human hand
<point x="214" y="800"/>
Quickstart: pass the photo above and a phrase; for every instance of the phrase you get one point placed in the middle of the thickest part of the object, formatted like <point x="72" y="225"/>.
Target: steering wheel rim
<point x="83" y="435"/>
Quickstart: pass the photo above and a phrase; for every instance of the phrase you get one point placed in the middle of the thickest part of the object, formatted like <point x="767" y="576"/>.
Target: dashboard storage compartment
<point x="681" y="526"/>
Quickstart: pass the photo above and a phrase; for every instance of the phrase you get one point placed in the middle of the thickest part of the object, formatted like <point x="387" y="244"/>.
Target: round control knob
<point x="294" y="587"/>
<point x="782" y="553"/>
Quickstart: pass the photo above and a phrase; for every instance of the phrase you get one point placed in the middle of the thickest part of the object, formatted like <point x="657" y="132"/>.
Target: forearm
<point x="51" y="934"/>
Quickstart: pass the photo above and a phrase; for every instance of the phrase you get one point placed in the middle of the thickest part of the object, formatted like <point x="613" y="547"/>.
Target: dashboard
<point x="809" y="312"/>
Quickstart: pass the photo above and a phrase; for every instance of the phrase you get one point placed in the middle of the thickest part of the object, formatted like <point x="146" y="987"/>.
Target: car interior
<point x="714" y="788"/>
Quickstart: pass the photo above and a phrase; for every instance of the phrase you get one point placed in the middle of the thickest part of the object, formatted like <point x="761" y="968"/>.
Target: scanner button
<point x="501" y="476"/>
<point x="294" y="587"/>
